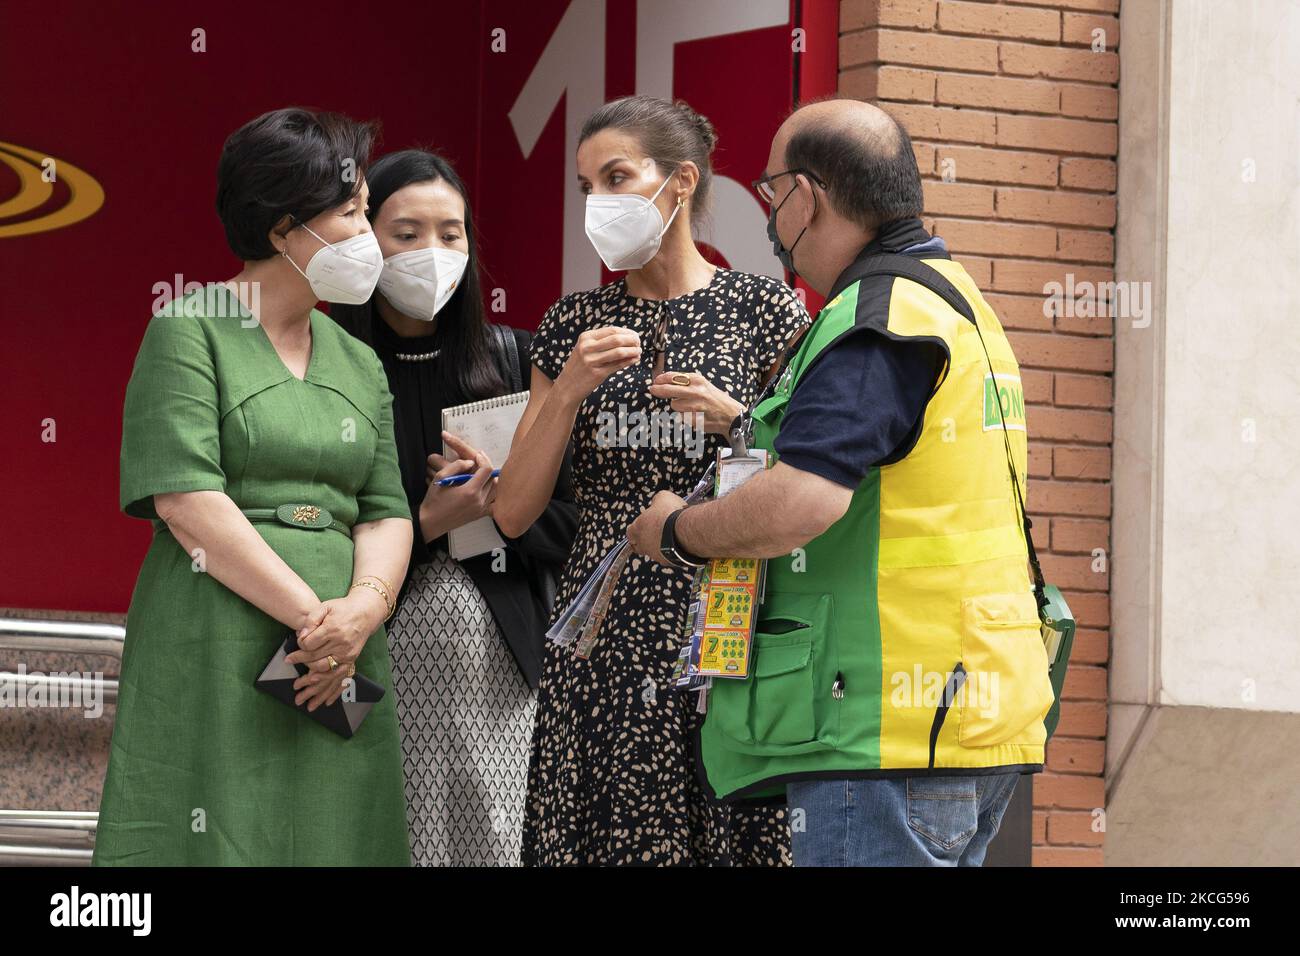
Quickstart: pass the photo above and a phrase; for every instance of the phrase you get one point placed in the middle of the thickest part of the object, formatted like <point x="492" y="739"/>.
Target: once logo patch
<point x="1010" y="395"/>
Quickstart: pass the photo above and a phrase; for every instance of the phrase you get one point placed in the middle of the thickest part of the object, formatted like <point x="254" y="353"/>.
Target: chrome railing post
<point x="54" y="837"/>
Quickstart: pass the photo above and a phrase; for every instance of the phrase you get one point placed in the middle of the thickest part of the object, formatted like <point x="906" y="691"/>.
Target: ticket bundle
<point x="725" y="596"/>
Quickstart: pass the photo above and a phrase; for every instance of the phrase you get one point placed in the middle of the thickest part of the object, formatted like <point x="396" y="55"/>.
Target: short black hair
<point x="870" y="182"/>
<point x="292" y="162"/>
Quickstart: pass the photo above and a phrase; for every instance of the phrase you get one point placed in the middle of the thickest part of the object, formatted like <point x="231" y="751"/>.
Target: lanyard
<point x="740" y="434"/>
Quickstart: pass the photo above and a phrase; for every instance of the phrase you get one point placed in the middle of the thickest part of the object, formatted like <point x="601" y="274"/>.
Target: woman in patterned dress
<point x="613" y="774"/>
<point x="467" y="635"/>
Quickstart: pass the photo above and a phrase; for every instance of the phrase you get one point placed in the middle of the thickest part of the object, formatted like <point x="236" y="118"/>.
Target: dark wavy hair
<point x="465" y="334"/>
<point x="670" y="133"/>
<point x="293" y="162"/>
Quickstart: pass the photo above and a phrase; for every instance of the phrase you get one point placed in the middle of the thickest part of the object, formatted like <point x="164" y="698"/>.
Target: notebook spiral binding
<point x="497" y="401"/>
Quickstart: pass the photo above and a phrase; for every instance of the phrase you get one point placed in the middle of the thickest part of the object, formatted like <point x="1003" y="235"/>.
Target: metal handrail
<point x="70" y="637"/>
<point x="107" y="686"/>
<point x="43" y="856"/>
<point x="62" y="637"/>
<point x="54" y="837"/>
<point x="51" y="819"/>
<point x="46" y="837"/>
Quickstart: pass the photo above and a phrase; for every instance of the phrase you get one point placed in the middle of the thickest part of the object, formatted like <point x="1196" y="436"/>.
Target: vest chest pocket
<point x="786" y="704"/>
<point x="1007" y="690"/>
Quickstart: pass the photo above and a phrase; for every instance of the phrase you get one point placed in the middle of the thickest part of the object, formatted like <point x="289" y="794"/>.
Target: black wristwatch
<point x="674" y="553"/>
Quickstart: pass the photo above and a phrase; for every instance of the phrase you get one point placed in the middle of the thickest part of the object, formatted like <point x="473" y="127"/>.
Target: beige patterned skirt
<point x="466" y="716"/>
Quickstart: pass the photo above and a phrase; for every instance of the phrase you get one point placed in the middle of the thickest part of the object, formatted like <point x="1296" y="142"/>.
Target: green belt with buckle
<point x="298" y="516"/>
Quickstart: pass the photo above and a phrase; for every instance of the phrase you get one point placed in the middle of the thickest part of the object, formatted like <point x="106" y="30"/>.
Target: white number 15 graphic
<point x="572" y="67"/>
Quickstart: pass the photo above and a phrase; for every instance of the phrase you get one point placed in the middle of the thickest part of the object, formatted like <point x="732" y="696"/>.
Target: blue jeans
<point x="897" y="821"/>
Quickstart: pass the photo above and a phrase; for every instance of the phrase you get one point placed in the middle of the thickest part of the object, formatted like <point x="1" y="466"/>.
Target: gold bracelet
<point x="387" y="585"/>
<point x="388" y="588"/>
<point x="392" y="591"/>
<point x="378" y="590"/>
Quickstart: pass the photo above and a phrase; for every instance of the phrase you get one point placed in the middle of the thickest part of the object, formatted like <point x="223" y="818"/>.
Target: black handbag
<point x="344" y="716"/>
<point x="507" y="356"/>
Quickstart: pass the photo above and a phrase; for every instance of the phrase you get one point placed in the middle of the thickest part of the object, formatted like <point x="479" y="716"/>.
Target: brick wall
<point x="1012" y="107"/>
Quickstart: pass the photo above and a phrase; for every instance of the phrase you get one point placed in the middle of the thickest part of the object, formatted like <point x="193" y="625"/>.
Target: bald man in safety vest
<point x="899" y="681"/>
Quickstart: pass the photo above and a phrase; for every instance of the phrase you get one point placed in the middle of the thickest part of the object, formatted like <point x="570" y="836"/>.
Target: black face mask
<point x="784" y="255"/>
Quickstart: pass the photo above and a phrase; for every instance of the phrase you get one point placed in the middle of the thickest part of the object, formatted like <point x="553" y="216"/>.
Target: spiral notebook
<point x="488" y="425"/>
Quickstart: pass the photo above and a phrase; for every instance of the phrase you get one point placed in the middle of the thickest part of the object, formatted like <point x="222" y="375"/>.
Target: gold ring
<point x="680" y="379"/>
<point x="333" y="662"/>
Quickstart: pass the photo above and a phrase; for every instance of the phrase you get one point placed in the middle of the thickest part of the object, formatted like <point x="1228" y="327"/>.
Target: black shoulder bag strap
<point x="922" y="274"/>
<point x="509" y="350"/>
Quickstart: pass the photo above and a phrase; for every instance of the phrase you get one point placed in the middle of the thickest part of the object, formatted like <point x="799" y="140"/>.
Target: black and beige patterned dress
<point x="612" y="779"/>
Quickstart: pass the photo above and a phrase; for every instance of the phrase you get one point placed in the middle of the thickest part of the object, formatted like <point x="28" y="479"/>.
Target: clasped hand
<point x="338" y="628"/>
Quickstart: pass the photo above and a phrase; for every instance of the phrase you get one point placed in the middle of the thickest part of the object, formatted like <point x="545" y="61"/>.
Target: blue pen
<point x="461" y="479"/>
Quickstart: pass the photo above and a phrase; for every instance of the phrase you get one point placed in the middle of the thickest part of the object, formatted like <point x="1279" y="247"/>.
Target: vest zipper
<point x="837" y="689"/>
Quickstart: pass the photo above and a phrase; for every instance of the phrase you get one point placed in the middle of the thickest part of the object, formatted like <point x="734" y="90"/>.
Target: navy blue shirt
<point x="862" y="403"/>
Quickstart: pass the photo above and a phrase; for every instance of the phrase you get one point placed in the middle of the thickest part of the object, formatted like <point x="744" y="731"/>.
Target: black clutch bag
<point x="344" y="716"/>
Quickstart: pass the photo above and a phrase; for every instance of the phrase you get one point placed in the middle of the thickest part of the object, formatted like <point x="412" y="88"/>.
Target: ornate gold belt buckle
<point x="304" y="516"/>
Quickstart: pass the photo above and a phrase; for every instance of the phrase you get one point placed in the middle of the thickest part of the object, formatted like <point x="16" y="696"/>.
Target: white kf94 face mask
<point x="626" y="228"/>
<point x="419" y="283"/>
<point x="344" y="272"/>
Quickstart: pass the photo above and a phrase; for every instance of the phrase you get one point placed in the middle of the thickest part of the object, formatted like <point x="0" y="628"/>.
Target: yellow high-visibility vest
<point x="906" y="638"/>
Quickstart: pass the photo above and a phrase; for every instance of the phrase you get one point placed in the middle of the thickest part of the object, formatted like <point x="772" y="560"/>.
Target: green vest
<point x="905" y="639"/>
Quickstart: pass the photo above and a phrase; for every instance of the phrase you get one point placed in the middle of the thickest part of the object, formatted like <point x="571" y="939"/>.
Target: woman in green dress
<point x="258" y="438"/>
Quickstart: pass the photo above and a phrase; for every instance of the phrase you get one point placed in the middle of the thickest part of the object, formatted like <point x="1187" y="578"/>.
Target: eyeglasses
<point x="763" y="185"/>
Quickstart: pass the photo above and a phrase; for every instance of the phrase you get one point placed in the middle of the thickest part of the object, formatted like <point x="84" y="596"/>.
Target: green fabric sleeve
<point x="170" y="420"/>
<point x="383" y="496"/>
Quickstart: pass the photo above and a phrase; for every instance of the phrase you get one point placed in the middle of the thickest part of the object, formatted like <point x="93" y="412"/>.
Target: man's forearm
<point x="773" y="513"/>
<point x="740" y="525"/>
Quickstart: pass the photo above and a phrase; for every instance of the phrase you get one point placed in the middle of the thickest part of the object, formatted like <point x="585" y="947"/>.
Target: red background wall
<point x="119" y="92"/>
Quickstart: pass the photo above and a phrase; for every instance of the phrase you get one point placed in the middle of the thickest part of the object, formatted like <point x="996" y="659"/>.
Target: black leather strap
<point x="955" y="680"/>
<point x="508" y="350"/>
<point x="672" y="550"/>
<point x="891" y="263"/>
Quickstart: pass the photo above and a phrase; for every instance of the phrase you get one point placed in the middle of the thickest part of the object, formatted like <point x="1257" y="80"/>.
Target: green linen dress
<point x="204" y="769"/>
